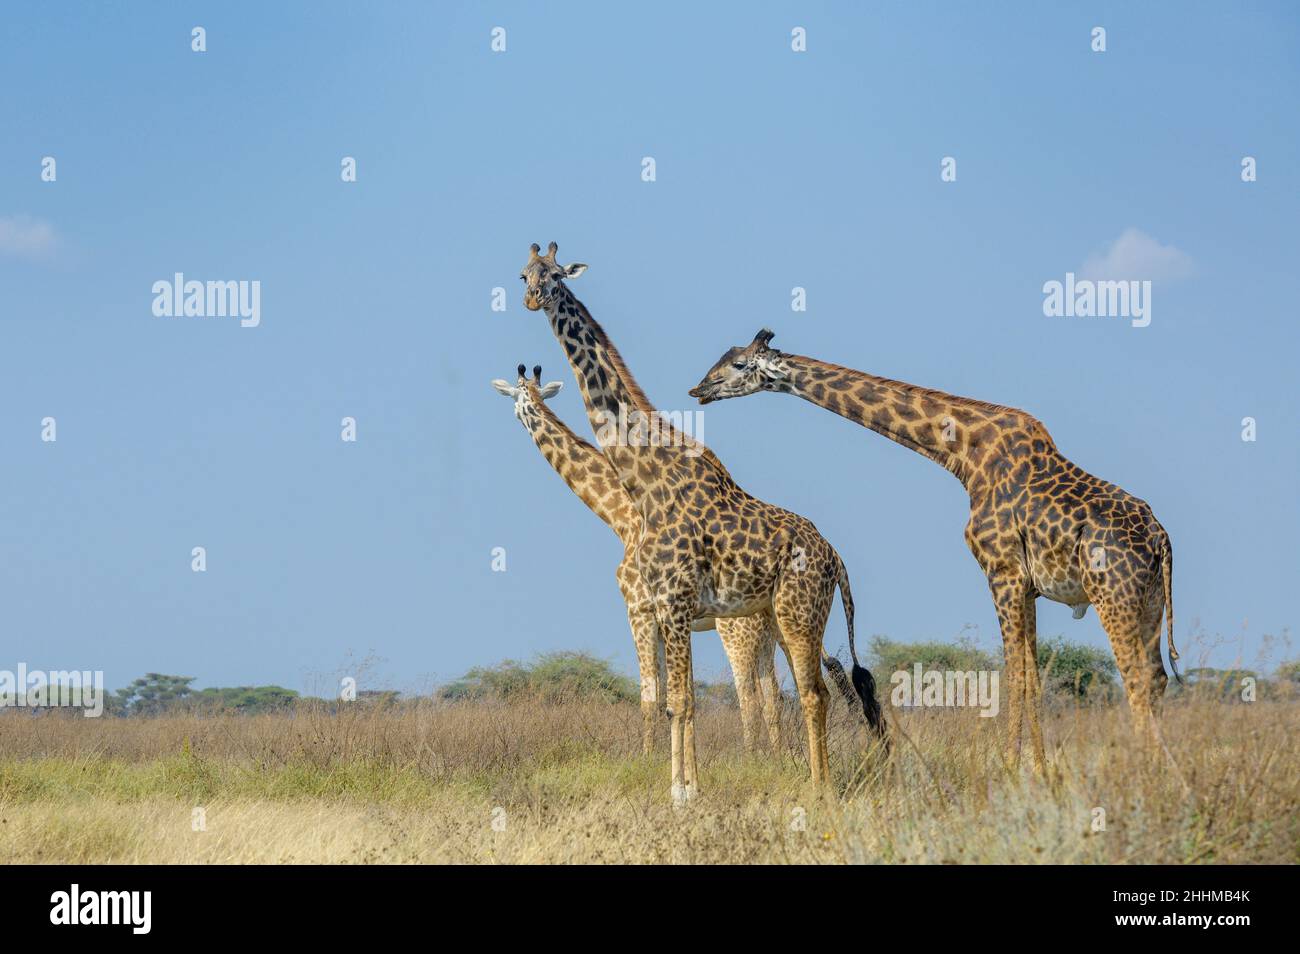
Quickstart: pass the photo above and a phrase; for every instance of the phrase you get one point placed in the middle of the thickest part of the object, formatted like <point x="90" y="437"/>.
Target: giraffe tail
<point x="863" y="689"/>
<point x="1167" y="572"/>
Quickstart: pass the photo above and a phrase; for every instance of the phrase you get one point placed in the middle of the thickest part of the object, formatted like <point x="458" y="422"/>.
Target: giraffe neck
<point x="612" y="398"/>
<point x="960" y="434"/>
<point x="583" y="467"/>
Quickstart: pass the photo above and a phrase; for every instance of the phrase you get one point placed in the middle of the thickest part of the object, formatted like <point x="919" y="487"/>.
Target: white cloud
<point x="1137" y="256"/>
<point x="25" y="236"/>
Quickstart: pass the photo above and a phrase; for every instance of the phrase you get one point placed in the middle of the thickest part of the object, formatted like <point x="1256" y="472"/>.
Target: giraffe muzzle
<point x="704" y="393"/>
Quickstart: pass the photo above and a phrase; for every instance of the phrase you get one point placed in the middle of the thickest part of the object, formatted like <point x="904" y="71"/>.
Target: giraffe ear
<point x="574" y="269"/>
<point x="550" y="389"/>
<point x="504" y="387"/>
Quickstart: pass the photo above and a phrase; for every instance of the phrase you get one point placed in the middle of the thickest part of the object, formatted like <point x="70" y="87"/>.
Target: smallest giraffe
<point x="749" y="641"/>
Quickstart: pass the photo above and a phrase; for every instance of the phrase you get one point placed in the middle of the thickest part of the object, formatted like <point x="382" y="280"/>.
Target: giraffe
<point x="1039" y="525"/>
<point x="706" y="548"/>
<point x="748" y="641"/>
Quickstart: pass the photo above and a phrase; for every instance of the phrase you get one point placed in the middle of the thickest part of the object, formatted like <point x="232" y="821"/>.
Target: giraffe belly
<point x="1054" y="572"/>
<point x="727" y="601"/>
<point x="1064" y="590"/>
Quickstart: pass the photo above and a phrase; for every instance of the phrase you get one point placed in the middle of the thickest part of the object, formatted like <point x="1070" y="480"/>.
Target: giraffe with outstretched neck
<point x="1039" y="525"/>
<point x="706" y="547"/>
<point x="748" y="641"/>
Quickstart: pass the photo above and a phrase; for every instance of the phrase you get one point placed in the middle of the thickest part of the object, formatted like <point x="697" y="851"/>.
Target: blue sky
<point x="774" y="169"/>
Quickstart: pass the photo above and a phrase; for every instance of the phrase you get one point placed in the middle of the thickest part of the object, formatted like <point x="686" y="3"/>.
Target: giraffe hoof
<point x="680" y="795"/>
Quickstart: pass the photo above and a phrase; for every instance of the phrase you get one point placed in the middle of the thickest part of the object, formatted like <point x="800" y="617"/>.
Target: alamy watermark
<point x="1085" y="298"/>
<point x="129" y="908"/>
<point x="946" y="688"/>
<point x="36" y="689"/>
<point x="179" y="298"/>
<point x="635" y="428"/>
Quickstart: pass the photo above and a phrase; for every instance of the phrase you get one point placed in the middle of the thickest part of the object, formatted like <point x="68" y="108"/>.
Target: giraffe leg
<point x="1128" y="590"/>
<point x="803" y="648"/>
<point x="1152" y="616"/>
<point x="678" y="676"/>
<point x="649" y="653"/>
<point x="661" y="673"/>
<point x="690" y="768"/>
<point x="1123" y="623"/>
<point x="1010" y="593"/>
<point x="785" y="651"/>
<point x="649" y="647"/>
<point x="814" y="698"/>
<point x="675" y="627"/>
<point x="765" y="666"/>
<point x="1033" y="690"/>
<point x="739" y="638"/>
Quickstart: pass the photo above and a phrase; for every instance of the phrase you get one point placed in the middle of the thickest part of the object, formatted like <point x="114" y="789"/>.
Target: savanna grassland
<point x="564" y="781"/>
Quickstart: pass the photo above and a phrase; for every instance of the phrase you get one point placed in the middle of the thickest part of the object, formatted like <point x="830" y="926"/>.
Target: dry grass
<point x="567" y="784"/>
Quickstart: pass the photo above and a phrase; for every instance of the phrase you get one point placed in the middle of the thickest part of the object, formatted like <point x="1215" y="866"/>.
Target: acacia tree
<point x="154" y="693"/>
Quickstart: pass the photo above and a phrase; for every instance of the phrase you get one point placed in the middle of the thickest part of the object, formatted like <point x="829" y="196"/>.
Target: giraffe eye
<point x="739" y="365"/>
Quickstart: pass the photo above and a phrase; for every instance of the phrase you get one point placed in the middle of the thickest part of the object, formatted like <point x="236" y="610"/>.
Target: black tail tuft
<point x="838" y="676"/>
<point x="861" y="691"/>
<point x="865" y="686"/>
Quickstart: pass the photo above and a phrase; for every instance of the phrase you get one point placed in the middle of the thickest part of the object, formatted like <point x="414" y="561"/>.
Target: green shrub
<point x="888" y="657"/>
<point x="552" y="677"/>
<point x="1075" y="669"/>
<point x="154" y="693"/>
<point x="1070" y="668"/>
<point x="247" y="699"/>
<point x="157" y="694"/>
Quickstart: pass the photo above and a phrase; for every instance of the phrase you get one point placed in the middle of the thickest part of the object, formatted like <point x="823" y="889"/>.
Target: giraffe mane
<point x="545" y="411"/>
<point x="639" y="396"/>
<point x="616" y="516"/>
<point x="910" y="389"/>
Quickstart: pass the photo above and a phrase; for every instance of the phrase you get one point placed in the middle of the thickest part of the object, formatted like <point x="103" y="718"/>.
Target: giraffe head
<point x="528" y="393"/>
<point x="542" y="275"/>
<point x="741" y="371"/>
